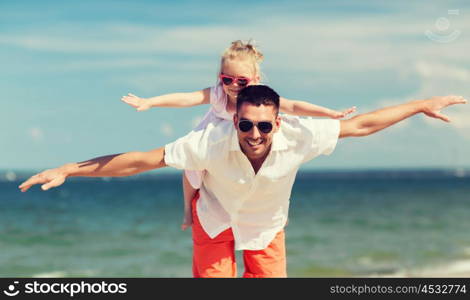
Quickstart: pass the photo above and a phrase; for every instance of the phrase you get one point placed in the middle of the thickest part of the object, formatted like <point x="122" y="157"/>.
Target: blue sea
<point x="341" y="223"/>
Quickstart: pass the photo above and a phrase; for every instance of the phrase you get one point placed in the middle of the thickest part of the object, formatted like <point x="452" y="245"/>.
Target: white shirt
<point x="218" y="109"/>
<point x="255" y="206"/>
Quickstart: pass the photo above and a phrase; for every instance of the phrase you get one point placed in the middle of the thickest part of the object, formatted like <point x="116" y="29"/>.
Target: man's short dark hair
<point x="258" y="95"/>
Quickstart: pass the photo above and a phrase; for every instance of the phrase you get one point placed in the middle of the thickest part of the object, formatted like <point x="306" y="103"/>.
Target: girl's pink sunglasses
<point x="228" y="80"/>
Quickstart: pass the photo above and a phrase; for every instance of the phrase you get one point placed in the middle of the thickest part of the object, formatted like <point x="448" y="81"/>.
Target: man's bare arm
<point x="117" y="165"/>
<point x="369" y="123"/>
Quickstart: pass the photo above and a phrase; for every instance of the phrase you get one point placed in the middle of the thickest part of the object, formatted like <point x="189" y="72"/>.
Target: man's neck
<point x="257" y="163"/>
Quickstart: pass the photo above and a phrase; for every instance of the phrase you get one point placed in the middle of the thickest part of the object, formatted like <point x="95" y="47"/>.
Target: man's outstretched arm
<point x="124" y="164"/>
<point x="366" y="124"/>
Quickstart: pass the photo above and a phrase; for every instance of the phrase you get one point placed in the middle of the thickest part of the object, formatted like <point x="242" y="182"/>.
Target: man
<point x="251" y="167"/>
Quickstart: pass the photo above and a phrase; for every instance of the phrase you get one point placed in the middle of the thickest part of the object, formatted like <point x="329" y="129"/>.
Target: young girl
<point x="239" y="67"/>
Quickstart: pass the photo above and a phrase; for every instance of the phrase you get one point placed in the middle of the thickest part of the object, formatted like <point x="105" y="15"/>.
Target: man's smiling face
<point x="255" y="143"/>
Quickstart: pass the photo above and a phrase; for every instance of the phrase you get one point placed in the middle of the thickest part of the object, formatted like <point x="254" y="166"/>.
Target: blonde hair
<point x="243" y="50"/>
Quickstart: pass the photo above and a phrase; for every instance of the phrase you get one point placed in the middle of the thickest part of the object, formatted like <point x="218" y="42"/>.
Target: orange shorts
<point x="216" y="257"/>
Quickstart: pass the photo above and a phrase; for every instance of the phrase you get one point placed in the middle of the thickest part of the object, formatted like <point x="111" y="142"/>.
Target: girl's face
<point x="238" y="68"/>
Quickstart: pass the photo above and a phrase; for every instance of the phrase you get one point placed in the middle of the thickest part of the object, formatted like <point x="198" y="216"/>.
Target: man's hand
<point x="369" y="123"/>
<point x="115" y="165"/>
<point x="432" y="107"/>
<point x="140" y="104"/>
<point x="48" y="178"/>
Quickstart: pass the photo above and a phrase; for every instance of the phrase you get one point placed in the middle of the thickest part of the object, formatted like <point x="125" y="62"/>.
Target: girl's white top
<point x="218" y="109"/>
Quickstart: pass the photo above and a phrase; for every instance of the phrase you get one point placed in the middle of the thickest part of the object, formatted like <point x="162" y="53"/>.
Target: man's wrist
<point x="68" y="169"/>
<point x="419" y="105"/>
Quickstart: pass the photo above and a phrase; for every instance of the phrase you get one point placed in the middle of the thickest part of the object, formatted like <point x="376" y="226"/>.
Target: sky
<point x="65" y="66"/>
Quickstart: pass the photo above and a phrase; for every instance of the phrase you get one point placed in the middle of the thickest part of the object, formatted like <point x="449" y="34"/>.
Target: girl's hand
<point x="342" y="114"/>
<point x="140" y="104"/>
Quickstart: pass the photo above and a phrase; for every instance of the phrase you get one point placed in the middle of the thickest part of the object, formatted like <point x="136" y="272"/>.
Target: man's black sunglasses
<point x="263" y="126"/>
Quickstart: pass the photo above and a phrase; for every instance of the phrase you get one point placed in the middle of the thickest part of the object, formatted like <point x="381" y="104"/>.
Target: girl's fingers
<point x="349" y="110"/>
<point x="130" y="102"/>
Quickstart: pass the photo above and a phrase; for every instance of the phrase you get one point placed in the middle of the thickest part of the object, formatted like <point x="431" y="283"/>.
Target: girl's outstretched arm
<point x="168" y="100"/>
<point x="302" y="108"/>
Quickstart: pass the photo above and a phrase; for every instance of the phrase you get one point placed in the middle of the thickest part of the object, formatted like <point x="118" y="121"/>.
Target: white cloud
<point x="302" y="43"/>
<point x="161" y="64"/>
<point x="440" y="79"/>
<point x="119" y="38"/>
<point x="195" y="121"/>
<point x="10" y="176"/>
<point x="167" y="130"/>
<point x="324" y="44"/>
<point x="439" y="70"/>
<point x="461" y="119"/>
<point x="36" y="134"/>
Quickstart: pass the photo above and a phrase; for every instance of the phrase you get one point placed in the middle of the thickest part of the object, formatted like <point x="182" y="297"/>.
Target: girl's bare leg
<point x="188" y="195"/>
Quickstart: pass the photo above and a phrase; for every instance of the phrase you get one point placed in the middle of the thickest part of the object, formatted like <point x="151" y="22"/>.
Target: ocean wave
<point x="460" y="268"/>
<point x="64" y="274"/>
